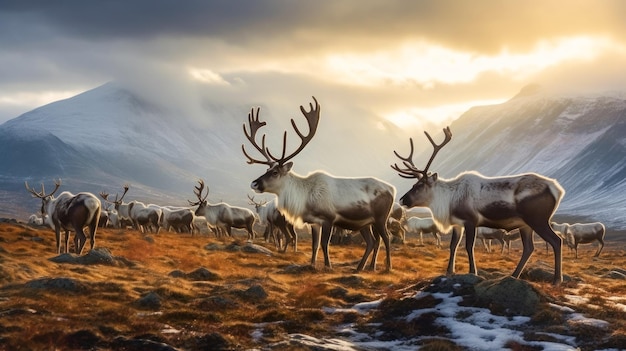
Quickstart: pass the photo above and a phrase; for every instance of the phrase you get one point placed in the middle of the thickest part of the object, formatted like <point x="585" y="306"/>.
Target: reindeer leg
<point x="326" y="233"/>
<point x="67" y="241"/>
<point x="502" y="243"/>
<point x="315" y="243"/>
<point x="470" y="239"/>
<point x="376" y="235"/>
<point x="385" y="235"/>
<point x="57" y="233"/>
<point x="93" y="227"/>
<point x="367" y="235"/>
<point x="457" y="233"/>
<point x="294" y="237"/>
<point x="526" y="236"/>
<point x="601" y="246"/>
<point x="79" y="241"/>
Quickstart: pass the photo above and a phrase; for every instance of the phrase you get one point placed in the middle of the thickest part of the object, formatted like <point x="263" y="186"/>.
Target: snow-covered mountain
<point x="579" y="140"/>
<point x="109" y="136"/>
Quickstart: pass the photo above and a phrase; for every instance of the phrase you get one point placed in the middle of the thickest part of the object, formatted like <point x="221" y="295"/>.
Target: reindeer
<point x="179" y="218"/>
<point x="525" y="201"/>
<point x="143" y="217"/>
<point x="69" y="212"/>
<point x="222" y="216"/>
<point x="420" y="226"/>
<point x="584" y="233"/>
<point x="121" y="208"/>
<point x="486" y="235"/>
<point x="319" y="198"/>
<point x="268" y="214"/>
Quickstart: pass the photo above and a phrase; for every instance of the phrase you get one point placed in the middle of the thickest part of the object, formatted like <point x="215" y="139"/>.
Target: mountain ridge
<point x="108" y="136"/>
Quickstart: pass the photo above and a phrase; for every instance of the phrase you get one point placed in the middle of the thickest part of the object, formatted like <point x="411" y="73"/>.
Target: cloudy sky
<point x="407" y="61"/>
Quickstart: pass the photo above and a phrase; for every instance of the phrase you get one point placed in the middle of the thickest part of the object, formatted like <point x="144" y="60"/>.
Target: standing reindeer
<point x="269" y="215"/>
<point x="524" y="201"/>
<point x="122" y="209"/>
<point x="69" y="212"/>
<point x="222" y="216"/>
<point x="321" y="199"/>
<point x="144" y="217"/>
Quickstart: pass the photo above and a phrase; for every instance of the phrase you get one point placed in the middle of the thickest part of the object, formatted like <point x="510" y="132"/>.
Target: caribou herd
<point x="503" y="209"/>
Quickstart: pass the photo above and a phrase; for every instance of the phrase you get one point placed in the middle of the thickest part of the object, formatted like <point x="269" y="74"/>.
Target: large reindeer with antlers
<point x="320" y="198"/>
<point x="525" y="201"/>
<point x="222" y="216"/>
<point x="69" y="212"/>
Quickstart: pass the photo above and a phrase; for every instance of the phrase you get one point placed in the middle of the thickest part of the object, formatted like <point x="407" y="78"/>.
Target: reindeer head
<point x="45" y="198"/>
<point x="202" y="202"/>
<point x="421" y="193"/>
<point x="117" y="202"/>
<point x="273" y="179"/>
<point x="256" y="205"/>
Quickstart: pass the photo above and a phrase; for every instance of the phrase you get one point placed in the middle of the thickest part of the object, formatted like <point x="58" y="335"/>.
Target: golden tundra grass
<point x="42" y="319"/>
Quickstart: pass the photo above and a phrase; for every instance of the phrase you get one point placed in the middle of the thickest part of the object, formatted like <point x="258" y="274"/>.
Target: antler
<point x="117" y="201"/>
<point x="42" y="194"/>
<point x="255" y="124"/>
<point x="198" y="193"/>
<point x="312" y="117"/>
<point x="411" y="171"/>
<point x="254" y="203"/>
<point x="126" y="187"/>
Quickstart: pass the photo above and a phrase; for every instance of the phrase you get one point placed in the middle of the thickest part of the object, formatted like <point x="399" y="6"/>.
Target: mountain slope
<point x="109" y="136"/>
<point x="580" y="141"/>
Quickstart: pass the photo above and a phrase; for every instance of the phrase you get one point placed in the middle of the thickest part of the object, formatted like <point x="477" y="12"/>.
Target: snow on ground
<point x="470" y="327"/>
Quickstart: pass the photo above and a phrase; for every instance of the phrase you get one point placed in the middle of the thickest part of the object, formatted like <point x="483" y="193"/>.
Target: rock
<point x="202" y="274"/>
<point x="122" y="343"/>
<point x="615" y="274"/>
<point x="253" y="248"/>
<point x="254" y="293"/>
<point x="81" y="340"/>
<point x="150" y="301"/>
<point x="96" y="256"/>
<point x="177" y="274"/>
<point x="508" y="296"/>
<point x="212" y="341"/>
<point x="64" y="284"/>
<point x="459" y="284"/>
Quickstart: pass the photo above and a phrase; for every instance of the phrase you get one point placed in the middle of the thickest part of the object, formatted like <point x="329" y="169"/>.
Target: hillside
<point x="176" y="292"/>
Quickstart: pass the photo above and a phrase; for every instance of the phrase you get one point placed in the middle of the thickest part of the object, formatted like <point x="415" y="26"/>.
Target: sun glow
<point x="36" y="98"/>
<point x="425" y="64"/>
<point x="424" y="117"/>
<point x="206" y="76"/>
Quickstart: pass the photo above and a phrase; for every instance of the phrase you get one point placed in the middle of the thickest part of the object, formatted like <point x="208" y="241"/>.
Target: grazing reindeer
<point x="524" y="201"/>
<point x="486" y="235"/>
<point x="69" y="212"/>
<point x="321" y="199"/>
<point x="584" y="233"/>
<point x="268" y="214"/>
<point x="426" y="225"/>
<point x="222" y="216"/>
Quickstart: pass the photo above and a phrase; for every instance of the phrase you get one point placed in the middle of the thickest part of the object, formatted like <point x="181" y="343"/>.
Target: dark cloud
<point x="79" y="44"/>
<point x="487" y="25"/>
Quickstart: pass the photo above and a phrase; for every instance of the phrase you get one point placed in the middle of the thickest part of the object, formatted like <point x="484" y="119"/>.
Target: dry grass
<point x="229" y="310"/>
